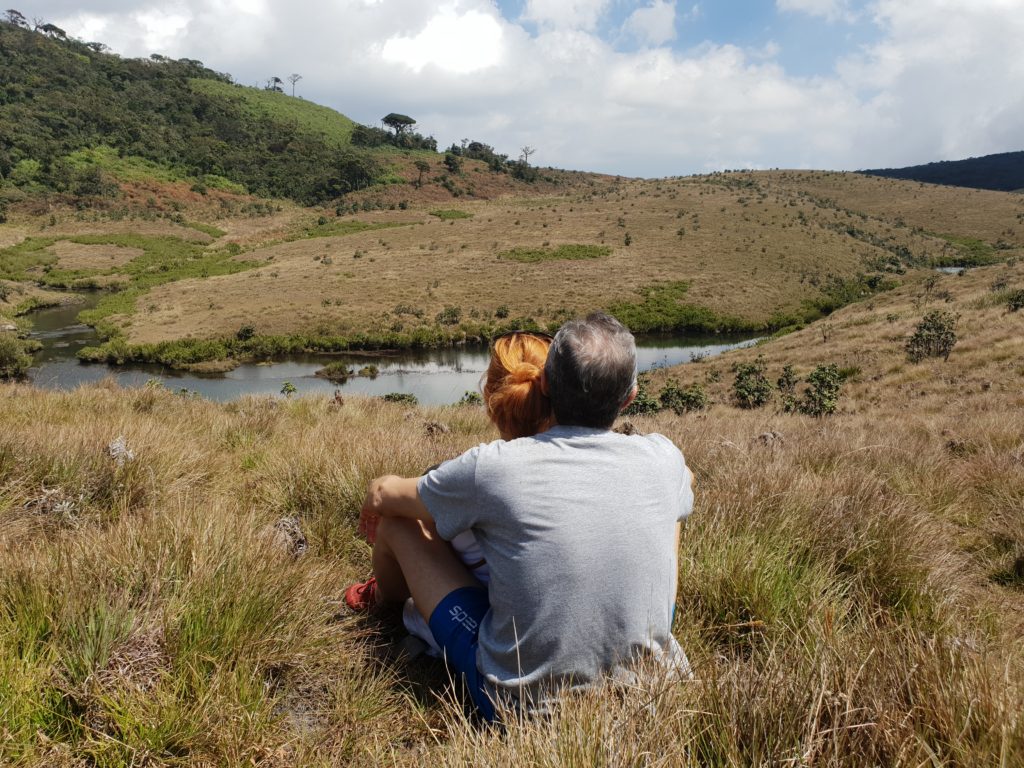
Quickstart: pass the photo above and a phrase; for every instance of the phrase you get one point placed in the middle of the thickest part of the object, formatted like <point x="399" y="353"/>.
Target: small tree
<point x="288" y="389"/>
<point x="423" y="167"/>
<point x="452" y="162"/>
<point x="274" y="84"/>
<point x="822" y="393"/>
<point x="934" y="336"/>
<point x="16" y="18"/>
<point x="751" y="388"/>
<point x="525" y="153"/>
<point x="293" y="79"/>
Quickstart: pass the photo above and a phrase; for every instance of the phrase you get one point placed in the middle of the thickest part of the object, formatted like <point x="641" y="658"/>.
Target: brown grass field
<point x="751" y="246"/>
<point x="851" y="588"/>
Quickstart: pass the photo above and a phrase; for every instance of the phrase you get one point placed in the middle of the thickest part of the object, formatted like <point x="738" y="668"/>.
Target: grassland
<point x="332" y="127"/>
<point x="737" y="251"/>
<point x="750" y="249"/>
<point x="851" y="588"/>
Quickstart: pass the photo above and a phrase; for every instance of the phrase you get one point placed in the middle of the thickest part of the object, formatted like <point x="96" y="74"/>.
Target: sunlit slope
<point x="993" y="217"/>
<point x="753" y="251"/>
<point x="330" y="126"/>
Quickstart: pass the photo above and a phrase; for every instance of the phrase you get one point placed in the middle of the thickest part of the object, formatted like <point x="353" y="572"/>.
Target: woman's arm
<point x="391" y="496"/>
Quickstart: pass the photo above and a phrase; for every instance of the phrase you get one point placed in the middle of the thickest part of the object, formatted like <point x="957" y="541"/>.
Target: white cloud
<point x="944" y="80"/>
<point x="833" y="10"/>
<point x="566" y="14"/>
<point x="939" y="81"/>
<point x="452" y="42"/>
<point x="653" y="24"/>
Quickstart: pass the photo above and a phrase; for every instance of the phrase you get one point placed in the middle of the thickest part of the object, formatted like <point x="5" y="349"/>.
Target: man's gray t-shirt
<point x="577" y="528"/>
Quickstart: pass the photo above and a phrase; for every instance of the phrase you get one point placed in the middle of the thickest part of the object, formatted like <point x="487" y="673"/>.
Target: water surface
<point x="434" y="376"/>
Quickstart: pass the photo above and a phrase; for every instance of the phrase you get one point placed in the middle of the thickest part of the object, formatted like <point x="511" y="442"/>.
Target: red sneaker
<point x="362" y="597"/>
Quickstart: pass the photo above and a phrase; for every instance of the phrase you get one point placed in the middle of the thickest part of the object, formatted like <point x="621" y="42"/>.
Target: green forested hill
<point x="59" y="96"/>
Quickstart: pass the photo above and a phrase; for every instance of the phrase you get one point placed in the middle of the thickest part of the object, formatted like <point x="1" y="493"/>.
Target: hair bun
<point x="524" y="373"/>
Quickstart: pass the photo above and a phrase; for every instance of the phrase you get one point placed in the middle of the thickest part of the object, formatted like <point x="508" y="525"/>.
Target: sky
<point x="652" y="88"/>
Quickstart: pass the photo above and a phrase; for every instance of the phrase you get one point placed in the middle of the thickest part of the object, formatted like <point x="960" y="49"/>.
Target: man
<point x="579" y="526"/>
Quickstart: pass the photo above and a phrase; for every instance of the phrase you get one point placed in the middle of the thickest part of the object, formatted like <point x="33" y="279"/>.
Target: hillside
<point x="1003" y="172"/>
<point x="741" y="251"/>
<point x="850" y="593"/>
<point x="60" y="97"/>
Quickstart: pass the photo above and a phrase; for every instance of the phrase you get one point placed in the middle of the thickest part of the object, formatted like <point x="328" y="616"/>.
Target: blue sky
<point x="639" y="87"/>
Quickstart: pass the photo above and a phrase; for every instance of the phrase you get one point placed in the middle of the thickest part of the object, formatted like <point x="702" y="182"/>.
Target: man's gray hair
<point x="591" y="371"/>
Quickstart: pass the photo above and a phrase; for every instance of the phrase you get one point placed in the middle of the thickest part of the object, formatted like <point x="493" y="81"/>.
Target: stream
<point x="435" y="376"/>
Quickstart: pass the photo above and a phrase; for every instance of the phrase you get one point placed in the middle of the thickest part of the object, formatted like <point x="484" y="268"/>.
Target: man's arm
<point x="391" y="496"/>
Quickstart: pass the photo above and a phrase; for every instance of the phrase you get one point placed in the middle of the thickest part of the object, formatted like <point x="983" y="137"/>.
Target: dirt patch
<point x="10" y="236"/>
<point x="78" y="256"/>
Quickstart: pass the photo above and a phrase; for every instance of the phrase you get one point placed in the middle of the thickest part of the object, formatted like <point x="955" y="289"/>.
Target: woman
<point x="518" y="408"/>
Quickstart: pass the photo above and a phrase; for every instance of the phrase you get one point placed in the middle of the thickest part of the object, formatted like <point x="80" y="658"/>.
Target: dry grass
<point x="850" y="590"/>
<point x="751" y="246"/>
<point x="77" y="256"/>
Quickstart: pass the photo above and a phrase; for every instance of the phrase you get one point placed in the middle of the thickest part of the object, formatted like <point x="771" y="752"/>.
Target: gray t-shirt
<point x="577" y="527"/>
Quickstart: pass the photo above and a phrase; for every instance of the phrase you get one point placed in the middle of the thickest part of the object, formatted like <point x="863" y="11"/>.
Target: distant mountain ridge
<point x="1003" y="172"/>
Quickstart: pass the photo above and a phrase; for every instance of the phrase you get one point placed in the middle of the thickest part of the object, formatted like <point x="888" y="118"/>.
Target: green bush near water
<point x="14" y="358"/>
<point x="661" y="310"/>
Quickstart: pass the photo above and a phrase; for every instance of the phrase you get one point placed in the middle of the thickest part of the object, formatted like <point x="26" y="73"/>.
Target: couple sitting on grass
<point x="545" y="560"/>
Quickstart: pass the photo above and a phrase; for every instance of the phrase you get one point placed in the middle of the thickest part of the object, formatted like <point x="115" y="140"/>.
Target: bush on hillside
<point x="1015" y="301"/>
<point x="934" y="336"/>
<point x="822" y="393"/>
<point x="786" y="383"/>
<point x="751" y="388"/>
<point x="682" y="400"/>
<point x="644" y="402"/>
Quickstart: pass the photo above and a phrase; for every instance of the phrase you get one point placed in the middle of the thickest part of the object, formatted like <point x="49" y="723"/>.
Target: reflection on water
<point x="434" y="376"/>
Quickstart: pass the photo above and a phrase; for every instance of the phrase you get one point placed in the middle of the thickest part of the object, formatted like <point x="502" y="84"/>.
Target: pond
<point x="434" y="376"/>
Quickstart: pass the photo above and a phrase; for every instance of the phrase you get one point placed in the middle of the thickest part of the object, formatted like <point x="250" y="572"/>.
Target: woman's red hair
<point x="512" y="392"/>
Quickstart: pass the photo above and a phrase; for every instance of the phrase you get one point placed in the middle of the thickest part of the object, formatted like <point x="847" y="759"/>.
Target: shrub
<point x="449" y="214"/>
<point x="934" y="336"/>
<point x="14" y="360"/>
<point x="643" y="402"/>
<point x="501" y="312"/>
<point x="471" y="398"/>
<point x="245" y="333"/>
<point x="449" y="315"/>
<point x="574" y="252"/>
<point x="1015" y="301"/>
<point x="786" y="383"/>
<point x="288" y="389"/>
<point x="338" y="372"/>
<point x="680" y="400"/>
<point x="400" y="397"/>
<point x="452" y="163"/>
<point x="822" y="393"/>
<point x="369" y="371"/>
<point x="751" y="388"/>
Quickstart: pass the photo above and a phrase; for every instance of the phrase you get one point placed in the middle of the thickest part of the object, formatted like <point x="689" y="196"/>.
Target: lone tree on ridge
<point x="398" y="123"/>
<point x="293" y="79"/>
